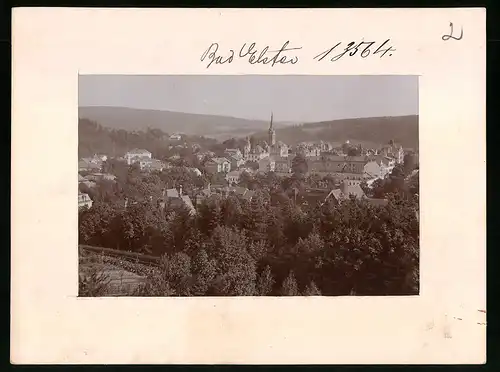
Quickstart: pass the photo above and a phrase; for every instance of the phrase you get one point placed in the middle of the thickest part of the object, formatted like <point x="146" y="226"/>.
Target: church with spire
<point x="269" y="148"/>
<point x="276" y="149"/>
<point x="272" y="133"/>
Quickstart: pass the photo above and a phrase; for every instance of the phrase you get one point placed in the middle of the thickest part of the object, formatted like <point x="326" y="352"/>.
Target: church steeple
<point x="272" y="133"/>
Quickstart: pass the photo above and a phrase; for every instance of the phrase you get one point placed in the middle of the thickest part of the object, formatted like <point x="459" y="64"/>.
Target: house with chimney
<point x="174" y="198"/>
<point x="347" y="191"/>
<point x="223" y="191"/>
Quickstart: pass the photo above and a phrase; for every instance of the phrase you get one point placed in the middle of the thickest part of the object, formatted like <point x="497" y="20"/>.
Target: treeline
<point x="269" y="245"/>
<point x="96" y="139"/>
<point x="402" y="129"/>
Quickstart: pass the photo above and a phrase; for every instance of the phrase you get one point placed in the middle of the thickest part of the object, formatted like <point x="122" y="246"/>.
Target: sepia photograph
<point x="255" y="202"/>
<point x="248" y="185"/>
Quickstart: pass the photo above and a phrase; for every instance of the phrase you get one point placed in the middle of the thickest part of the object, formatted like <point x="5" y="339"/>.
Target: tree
<point x="345" y="147"/>
<point x="299" y="165"/>
<point x="155" y="285"/>
<point x="378" y="188"/>
<point x="204" y="270"/>
<point x="177" y="272"/>
<point x="258" y="249"/>
<point x="409" y="163"/>
<point x="252" y="165"/>
<point x="312" y="290"/>
<point x="246" y="179"/>
<point x="209" y="215"/>
<point x="366" y="189"/>
<point x="236" y="270"/>
<point x="311" y="244"/>
<point x="254" y="218"/>
<point x="353" y="151"/>
<point x="181" y="226"/>
<point x="136" y="226"/>
<point x="274" y="229"/>
<point x="265" y="282"/>
<point x="231" y="211"/>
<point x="289" y="286"/>
<point x="95" y="225"/>
<point x="413" y="184"/>
<point x="396" y="182"/>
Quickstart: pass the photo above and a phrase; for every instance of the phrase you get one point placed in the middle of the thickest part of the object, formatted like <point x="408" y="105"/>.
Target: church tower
<point x="272" y="133"/>
<point x="247" y="148"/>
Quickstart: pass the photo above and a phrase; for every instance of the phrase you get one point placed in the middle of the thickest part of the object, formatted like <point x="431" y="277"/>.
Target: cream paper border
<point x="50" y="325"/>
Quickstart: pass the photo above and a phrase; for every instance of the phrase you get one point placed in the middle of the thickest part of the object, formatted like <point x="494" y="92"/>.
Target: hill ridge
<point x="379" y="129"/>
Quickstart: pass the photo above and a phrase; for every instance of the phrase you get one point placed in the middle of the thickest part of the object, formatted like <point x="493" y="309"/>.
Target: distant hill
<point x="220" y="127"/>
<point x="96" y="139"/>
<point x="368" y="131"/>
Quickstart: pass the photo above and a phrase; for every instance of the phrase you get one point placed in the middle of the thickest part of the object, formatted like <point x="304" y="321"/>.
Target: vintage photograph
<point x="248" y="185"/>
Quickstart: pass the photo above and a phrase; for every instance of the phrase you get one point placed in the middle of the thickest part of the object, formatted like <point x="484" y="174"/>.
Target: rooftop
<point x="138" y="151"/>
<point x="220" y="160"/>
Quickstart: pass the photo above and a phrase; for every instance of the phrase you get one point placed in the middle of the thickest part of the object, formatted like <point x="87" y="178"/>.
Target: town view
<point x="270" y="207"/>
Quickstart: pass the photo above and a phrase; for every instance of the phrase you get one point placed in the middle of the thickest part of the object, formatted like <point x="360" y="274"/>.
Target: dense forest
<point x="93" y="138"/>
<point x="367" y="131"/>
<point x="267" y="246"/>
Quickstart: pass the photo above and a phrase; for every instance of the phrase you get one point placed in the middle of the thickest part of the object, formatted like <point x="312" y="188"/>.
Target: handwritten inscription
<point x="252" y="54"/>
<point x="363" y="49"/>
<point x="286" y="54"/>
<point x="449" y="36"/>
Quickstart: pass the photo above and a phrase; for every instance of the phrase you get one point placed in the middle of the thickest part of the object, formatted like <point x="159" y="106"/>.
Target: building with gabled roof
<point x="137" y="155"/>
<point x="84" y="200"/>
<point x="174" y="198"/>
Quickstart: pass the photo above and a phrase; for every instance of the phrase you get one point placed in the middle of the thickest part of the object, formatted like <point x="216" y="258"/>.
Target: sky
<point x="292" y="98"/>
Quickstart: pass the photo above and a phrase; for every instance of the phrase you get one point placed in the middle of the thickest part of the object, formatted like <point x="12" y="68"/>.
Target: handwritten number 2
<point x="450" y="36"/>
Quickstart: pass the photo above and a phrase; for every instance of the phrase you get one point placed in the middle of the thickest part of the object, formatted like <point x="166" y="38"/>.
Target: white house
<point x="233" y="177"/>
<point x="233" y="152"/>
<point x="136" y="155"/>
<point x="373" y="169"/>
<point x="152" y="165"/>
<point x="84" y="200"/>
<point x="99" y="158"/>
<point x="175" y="137"/>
